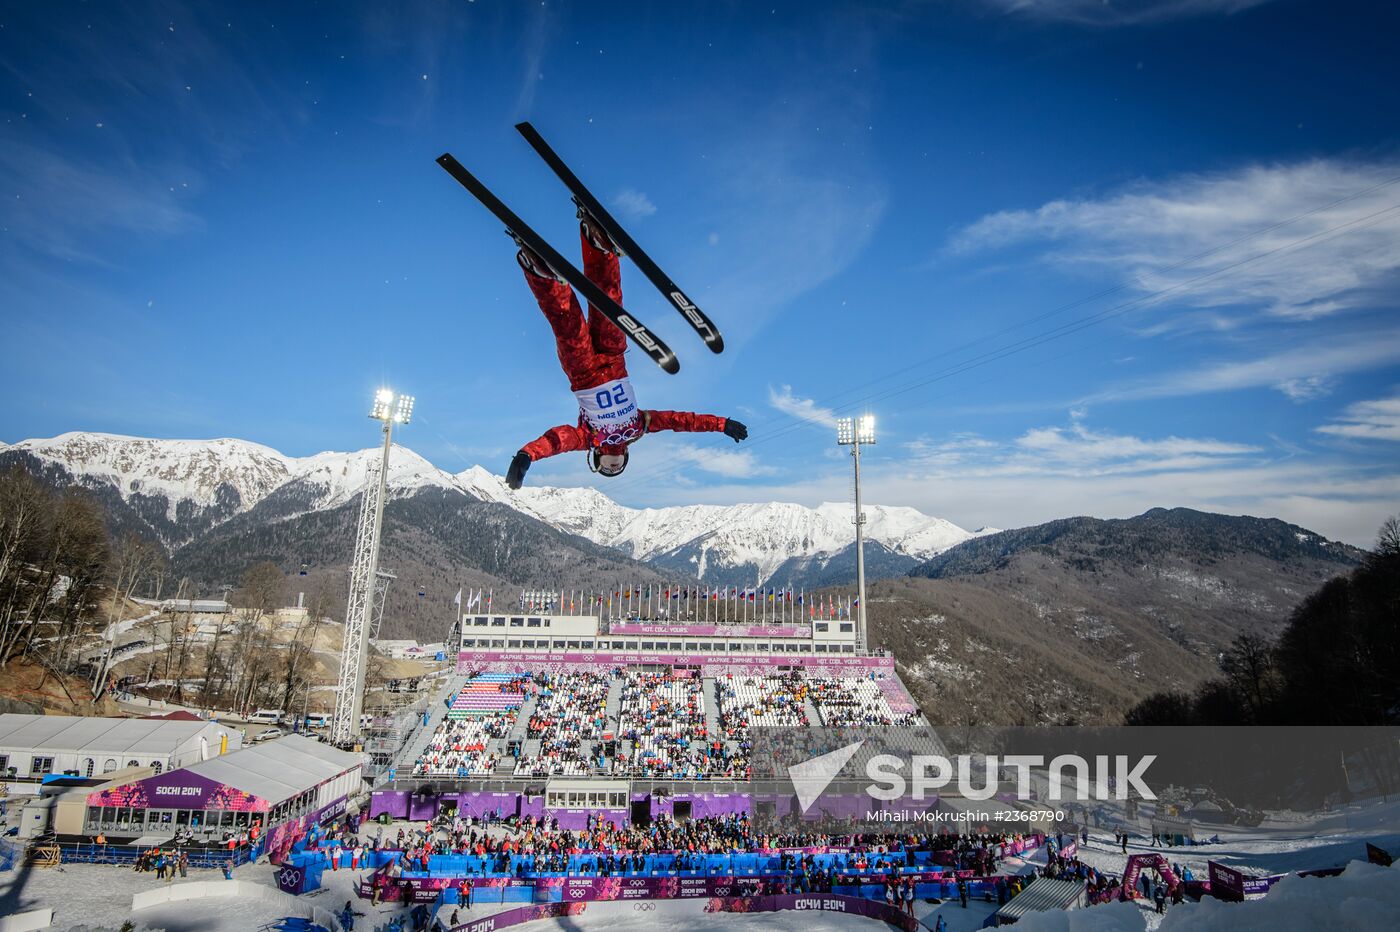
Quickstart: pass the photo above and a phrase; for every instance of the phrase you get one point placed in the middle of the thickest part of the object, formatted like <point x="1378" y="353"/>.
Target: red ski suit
<point x="591" y="353"/>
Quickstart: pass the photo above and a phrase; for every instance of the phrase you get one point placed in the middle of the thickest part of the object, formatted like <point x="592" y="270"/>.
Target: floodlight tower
<point x="391" y="409"/>
<point x="852" y="432"/>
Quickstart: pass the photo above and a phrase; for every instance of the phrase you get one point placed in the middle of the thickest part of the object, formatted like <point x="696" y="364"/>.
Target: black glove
<point x="733" y="428"/>
<point x="515" y="476"/>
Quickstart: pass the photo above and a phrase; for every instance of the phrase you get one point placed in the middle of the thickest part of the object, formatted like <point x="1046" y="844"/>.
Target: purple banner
<point x="1226" y="883"/>
<point x="516" y="661"/>
<point x="709" y="631"/>
<point x="290" y="878"/>
<point x="514" y="917"/>
<point x="178" y="789"/>
<point x="826" y="902"/>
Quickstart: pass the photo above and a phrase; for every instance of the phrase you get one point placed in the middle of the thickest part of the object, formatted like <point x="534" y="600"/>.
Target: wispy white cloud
<point x="634" y="204"/>
<point x="802" y="408"/>
<point x="718" y="461"/>
<point x="538" y="35"/>
<point x="1059" y="471"/>
<point x="1121" y="12"/>
<point x="1302" y="373"/>
<point x="1378" y="419"/>
<point x="1330" y="229"/>
<point x="60" y="201"/>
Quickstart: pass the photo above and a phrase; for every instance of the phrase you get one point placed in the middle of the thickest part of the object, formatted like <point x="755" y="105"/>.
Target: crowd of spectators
<point x="461" y="747"/>
<point x="846" y="702"/>
<point x="568" y="720"/>
<point x="665" y="726"/>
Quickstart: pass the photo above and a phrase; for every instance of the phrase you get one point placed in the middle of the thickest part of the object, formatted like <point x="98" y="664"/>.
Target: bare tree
<point x="1388" y="538"/>
<point x="264" y="589"/>
<point x="300" y="654"/>
<point x="1248" y="663"/>
<point x="26" y="512"/>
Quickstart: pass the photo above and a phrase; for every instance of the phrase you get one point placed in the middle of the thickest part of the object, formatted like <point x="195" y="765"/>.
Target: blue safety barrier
<point x="653" y="865"/>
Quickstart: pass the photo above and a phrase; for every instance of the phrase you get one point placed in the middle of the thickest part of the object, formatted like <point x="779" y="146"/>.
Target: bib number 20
<point x="606" y="399"/>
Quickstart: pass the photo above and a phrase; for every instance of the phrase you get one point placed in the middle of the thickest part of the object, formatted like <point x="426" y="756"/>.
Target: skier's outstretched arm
<point x="566" y="438"/>
<point x="698" y="423"/>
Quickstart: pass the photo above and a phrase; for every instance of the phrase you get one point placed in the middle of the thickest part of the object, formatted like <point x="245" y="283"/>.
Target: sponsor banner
<point x="517" y="661"/>
<point x="826" y="902"/>
<point x="178" y="789"/>
<point x="291" y="878"/>
<point x="707" y="631"/>
<point x="514" y="917"/>
<point x="1226" y="883"/>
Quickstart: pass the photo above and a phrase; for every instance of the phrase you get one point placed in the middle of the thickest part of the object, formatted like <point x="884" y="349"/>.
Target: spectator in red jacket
<point x="591" y="353"/>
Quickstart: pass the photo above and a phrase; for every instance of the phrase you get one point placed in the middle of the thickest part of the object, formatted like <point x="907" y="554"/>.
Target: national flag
<point x="457" y="601"/>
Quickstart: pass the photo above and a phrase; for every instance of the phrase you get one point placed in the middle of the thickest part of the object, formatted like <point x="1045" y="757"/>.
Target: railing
<point x="207" y="858"/>
<point x="534" y="786"/>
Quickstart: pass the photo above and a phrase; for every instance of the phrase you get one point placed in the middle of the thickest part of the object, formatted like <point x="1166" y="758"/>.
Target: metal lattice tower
<point x="360" y="608"/>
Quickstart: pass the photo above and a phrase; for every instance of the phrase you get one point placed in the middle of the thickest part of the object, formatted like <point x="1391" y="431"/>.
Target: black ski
<point x="651" y="344"/>
<point x="585" y="200"/>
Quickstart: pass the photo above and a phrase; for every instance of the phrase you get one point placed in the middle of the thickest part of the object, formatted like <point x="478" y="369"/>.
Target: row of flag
<point x="816" y="605"/>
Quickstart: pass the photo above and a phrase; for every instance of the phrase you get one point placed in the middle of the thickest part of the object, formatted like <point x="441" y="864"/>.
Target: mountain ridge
<point x="206" y="483"/>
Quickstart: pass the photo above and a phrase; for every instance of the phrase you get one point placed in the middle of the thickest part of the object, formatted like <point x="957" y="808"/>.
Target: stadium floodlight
<point x="853" y="433"/>
<point x="390" y="408"/>
<point x="403" y="409"/>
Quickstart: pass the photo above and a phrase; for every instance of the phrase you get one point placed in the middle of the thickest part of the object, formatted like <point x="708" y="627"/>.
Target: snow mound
<point x="1364" y="896"/>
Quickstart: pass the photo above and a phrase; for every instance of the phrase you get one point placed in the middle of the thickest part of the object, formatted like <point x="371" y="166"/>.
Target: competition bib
<point x="611" y="410"/>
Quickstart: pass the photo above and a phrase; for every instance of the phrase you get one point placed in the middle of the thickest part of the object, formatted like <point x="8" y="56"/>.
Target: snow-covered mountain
<point x="209" y="481"/>
<point x="711" y="541"/>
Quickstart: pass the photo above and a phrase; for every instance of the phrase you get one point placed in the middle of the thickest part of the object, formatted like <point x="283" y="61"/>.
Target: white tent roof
<point x="97" y="735"/>
<point x="277" y="770"/>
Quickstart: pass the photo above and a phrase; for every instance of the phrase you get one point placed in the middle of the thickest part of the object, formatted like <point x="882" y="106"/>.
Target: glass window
<point x="88" y="766"/>
<point x="631" y="645"/>
<point x="513" y="642"/>
<point x="182" y="817"/>
<point x="94" y="814"/>
<point x="498" y="642"/>
<point x="846" y="626"/>
<point x="498" y="622"/>
<point x="517" y="622"/>
<point x="40" y="765"/>
<point x="158" y="767"/>
<point x="110" y="765"/>
<point x="226" y="820"/>
<point x="823" y="626"/>
<point x="533" y="623"/>
<point x="123" y="816"/>
<point x="109" y="814"/>
<point x="821" y="648"/>
<point x="648" y="645"/>
<point x="240" y="819"/>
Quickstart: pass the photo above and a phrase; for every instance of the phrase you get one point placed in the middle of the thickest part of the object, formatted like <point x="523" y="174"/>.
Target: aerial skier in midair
<point x="592" y="350"/>
<point x="592" y="354"/>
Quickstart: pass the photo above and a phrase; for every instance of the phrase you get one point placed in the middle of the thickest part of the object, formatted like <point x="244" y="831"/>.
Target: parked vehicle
<point x="267" y="716"/>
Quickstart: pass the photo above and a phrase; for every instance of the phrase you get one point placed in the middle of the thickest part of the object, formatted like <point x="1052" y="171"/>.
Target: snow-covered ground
<point x="1365" y="897"/>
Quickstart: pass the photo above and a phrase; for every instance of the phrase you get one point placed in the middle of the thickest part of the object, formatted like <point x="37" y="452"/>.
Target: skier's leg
<point x="601" y="265"/>
<point x="561" y="308"/>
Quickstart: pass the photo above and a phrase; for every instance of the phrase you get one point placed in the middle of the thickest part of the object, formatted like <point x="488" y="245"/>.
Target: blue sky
<point x="1078" y="258"/>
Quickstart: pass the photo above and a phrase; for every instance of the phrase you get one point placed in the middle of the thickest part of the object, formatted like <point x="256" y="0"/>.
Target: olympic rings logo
<point x="625" y="434"/>
<point x="643" y="907"/>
